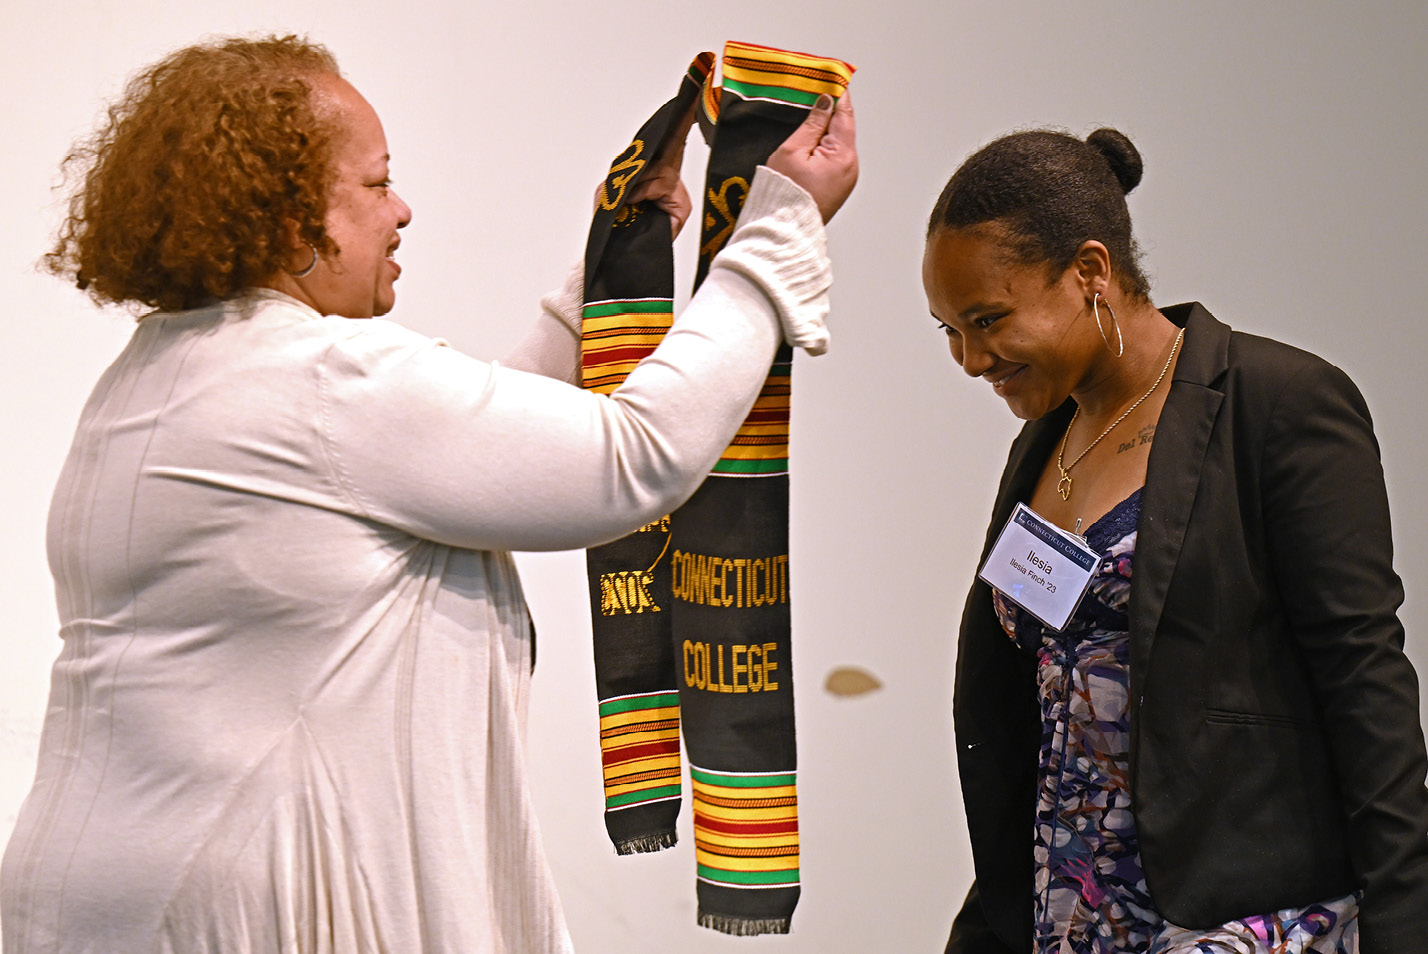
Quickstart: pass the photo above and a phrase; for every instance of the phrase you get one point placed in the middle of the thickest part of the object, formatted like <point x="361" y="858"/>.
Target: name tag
<point x="1040" y="567"/>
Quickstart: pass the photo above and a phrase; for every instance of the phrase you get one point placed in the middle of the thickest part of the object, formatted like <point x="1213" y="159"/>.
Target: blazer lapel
<point x="1173" y="475"/>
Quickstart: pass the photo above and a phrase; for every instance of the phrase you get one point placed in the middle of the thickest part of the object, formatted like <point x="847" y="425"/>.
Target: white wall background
<point x="1284" y="188"/>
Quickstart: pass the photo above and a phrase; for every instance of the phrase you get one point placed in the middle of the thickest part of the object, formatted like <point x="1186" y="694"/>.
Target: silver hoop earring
<point x="310" y="265"/>
<point x="1120" y="342"/>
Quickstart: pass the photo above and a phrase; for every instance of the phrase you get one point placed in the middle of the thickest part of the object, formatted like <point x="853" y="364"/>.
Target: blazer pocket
<point x="1230" y="717"/>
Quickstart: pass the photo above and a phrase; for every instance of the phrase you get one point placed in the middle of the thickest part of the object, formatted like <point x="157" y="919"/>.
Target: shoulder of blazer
<point x="1220" y="371"/>
<point x="1213" y="352"/>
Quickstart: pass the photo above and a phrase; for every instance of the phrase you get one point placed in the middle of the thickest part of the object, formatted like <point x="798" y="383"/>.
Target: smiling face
<point x="363" y="213"/>
<point x="1008" y="324"/>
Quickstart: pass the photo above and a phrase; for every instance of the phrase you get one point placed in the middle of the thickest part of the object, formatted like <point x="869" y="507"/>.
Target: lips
<point x="1001" y="378"/>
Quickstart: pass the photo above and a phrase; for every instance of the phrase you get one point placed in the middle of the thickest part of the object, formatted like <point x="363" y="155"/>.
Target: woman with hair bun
<point x="289" y="710"/>
<point x="1218" y="749"/>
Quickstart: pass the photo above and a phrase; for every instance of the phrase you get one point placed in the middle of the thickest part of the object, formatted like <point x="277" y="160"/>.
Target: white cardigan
<point x="289" y="710"/>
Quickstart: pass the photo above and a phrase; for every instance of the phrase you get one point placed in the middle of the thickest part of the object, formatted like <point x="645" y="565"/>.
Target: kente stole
<point x="691" y="613"/>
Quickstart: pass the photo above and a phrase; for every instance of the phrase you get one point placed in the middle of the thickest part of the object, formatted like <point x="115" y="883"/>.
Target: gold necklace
<point x="1063" y="486"/>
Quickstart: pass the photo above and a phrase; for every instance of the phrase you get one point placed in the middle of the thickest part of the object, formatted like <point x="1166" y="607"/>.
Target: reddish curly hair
<point x="187" y="189"/>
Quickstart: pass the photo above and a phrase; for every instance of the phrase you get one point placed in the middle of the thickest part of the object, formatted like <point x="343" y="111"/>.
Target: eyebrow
<point x="966" y="314"/>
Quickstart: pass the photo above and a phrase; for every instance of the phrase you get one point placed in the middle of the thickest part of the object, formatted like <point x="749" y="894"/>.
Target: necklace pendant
<point x="1063" y="486"/>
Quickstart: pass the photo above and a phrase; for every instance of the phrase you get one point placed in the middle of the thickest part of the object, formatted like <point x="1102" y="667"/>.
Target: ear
<point x="302" y="256"/>
<point x="292" y="234"/>
<point x="1092" y="268"/>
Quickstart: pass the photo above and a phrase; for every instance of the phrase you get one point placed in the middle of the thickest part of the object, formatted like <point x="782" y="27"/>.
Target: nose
<point x="974" y="360"/>
<point x="404" y="212"/>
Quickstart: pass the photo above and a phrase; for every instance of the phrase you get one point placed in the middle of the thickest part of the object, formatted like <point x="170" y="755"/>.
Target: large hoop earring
<point x="1120" y="348"/>
<point x="303" y="273"/>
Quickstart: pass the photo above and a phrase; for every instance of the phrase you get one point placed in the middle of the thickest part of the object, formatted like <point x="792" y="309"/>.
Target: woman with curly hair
<point x="289" y="707"/>
<point x="1219" y="751"/>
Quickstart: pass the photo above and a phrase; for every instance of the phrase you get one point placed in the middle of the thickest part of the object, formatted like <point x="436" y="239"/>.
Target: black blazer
<point x="1276" y="754"/>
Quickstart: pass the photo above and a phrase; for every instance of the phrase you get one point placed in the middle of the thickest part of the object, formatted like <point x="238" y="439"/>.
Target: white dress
<point x="289" y="711"/>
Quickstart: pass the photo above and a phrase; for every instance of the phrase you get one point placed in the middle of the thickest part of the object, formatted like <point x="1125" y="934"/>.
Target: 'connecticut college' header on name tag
<point x="1042" y="568"/>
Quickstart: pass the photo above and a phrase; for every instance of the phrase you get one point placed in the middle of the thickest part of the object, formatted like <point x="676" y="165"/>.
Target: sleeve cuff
<point x="780" y="244"/>
<point x="567" y="302"/>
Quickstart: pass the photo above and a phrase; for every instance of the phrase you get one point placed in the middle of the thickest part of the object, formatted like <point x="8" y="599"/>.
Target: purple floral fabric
<point x="1330" y="928"/>
<point x="1091" y="894"/>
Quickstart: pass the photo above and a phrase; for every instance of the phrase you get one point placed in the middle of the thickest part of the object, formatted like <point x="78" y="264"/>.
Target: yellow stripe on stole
<point x="615" y="719"/>
<point x="745" y="841"/>
<point x="622" y="739"/>
<point x="641" y="765"/>
<point x="605" y="388"/>
<point x="594" y="346"/>
<point x="802" y="60"/>
<point x="710" y="97"/>
<point x="778" y="813"/>
<point x="611" y="771"/>
<point x="722" y="791"/>
<point x="786" y="863"/>
<point x="807" y="84"/>
<point x="757" y="452"/>
<point x="638" y="319"/>
<point x="764" y="430"/>
<point x="601" y="369"/>
<point x="611" y="790"/>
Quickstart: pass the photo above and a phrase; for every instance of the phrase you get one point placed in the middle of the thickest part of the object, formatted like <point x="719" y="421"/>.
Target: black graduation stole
<point x="691" y="613"/>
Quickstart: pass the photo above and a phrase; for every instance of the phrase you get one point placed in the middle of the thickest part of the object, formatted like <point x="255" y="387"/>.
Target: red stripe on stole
<point x="627" y="753"/>
<point x="606" y="355"/>
<point x="787" y="826"/>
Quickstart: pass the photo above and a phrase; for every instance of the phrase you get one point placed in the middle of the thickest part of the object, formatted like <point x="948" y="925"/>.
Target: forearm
<point x="492" y="458"/>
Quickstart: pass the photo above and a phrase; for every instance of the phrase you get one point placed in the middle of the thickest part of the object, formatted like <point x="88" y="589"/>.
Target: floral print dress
<point x="1091" y="894"/>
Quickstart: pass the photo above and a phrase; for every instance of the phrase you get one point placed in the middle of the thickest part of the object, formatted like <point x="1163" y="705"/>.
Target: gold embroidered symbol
<point x="718" y="230"/>
<point x="627" y="216"/>
<point x="626" y="592"/>
<point x="625" y="168"/>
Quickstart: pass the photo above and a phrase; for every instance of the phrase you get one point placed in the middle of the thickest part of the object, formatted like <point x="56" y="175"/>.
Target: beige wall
<point x="1284" y="189"/>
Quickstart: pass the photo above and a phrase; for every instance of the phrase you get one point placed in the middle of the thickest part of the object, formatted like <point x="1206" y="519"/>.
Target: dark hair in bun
<point x="1121" y="155"/>
<point x="1051" y="192"/>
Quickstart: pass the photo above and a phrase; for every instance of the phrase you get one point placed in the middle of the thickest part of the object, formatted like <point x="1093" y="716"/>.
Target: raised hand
<point x="821" y="155"/>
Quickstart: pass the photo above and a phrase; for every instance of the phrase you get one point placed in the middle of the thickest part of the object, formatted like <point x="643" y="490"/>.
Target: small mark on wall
<point x="850" y="681"/>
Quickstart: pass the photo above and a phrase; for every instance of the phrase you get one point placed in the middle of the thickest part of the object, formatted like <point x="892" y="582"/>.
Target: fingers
<point x="652" y="187"/>
<point x="841" y="125"/>
<point x="804" y="139"/>
<point x="677" y="205"/>
<point x="661" y="177"/>
<point x="666" y="190"/>
<point x="821" y="154"/>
